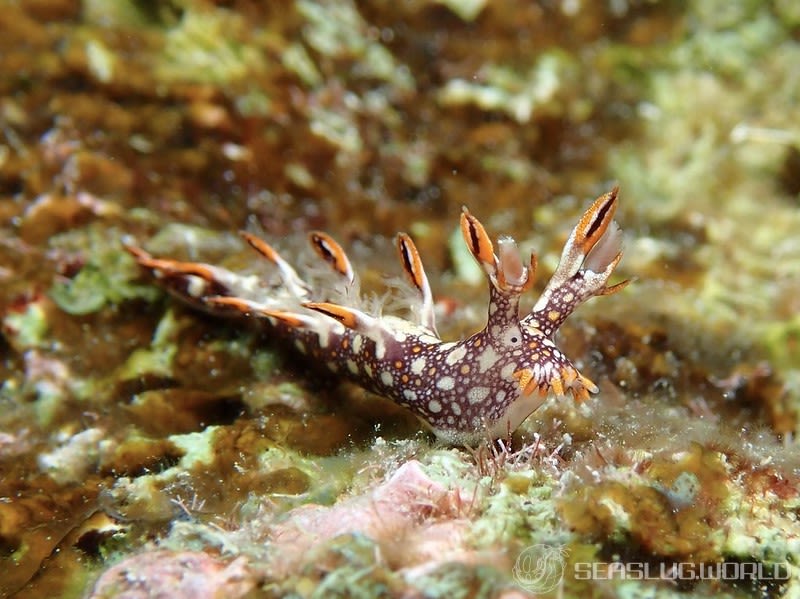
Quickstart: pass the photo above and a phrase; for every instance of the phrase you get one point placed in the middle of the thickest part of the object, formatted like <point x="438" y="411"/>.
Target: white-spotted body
<point x="466" y="391"/>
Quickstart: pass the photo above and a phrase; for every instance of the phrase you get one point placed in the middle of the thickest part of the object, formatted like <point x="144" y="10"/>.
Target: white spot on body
<point x="368" y="370"/>
<point x="400" y="337"/>
<point x="508" y="370"/>
<point x="387" y="378"/>
<point x="446" y="383"/>
<point x="418" y="365"/>
<point x="456" y="355"/>
<point x="455" y="408"/>
<point x="300" y="346"/>
<point x="352" y="366"/>
<point x="409" y="394"/>
<point x="477" y="394"/>
<point x="487" y="359"/>
<point x="357" y="341"/>
<point x="548" y="343"/>
<point x="434" y="406"/>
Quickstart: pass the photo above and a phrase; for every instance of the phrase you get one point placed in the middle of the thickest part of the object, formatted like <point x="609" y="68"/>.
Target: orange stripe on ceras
<point x="476" y="238"/>
<point x="409" y="257"/>
<point x="293" y="320"/>
<point x="344" y="315"/>
<point x="232" y="302"/>
<point x="138" y="253"/>
<point x="596" y="219"/>
<point x="261" y="246"/>
<point x="173" y="267"/>
<point x="285" y="317"/>
<point x="330" y="251"/>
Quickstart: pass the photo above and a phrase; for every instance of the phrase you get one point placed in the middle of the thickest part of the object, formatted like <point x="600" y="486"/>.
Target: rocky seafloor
<point x="147" y="450"/>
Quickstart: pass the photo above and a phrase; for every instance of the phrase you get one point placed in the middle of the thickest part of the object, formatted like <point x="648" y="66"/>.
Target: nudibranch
<point x="467" y="391"/>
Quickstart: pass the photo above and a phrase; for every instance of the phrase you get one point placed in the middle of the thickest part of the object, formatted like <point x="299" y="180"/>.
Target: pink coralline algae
<point x="175" y="575"/>
<point x="409" y="516"/>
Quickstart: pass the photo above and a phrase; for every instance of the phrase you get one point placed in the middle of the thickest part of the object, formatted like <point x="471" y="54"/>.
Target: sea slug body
<point x="467" y="391"/>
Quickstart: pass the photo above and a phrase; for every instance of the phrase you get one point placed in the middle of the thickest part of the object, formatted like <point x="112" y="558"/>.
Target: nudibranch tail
<point x="466" y="391"/>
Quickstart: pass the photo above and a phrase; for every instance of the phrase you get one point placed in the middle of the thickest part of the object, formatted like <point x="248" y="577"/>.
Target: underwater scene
<point x="412" y="298"/>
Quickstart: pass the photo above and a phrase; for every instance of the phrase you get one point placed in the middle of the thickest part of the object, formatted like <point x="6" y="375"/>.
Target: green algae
<point x="465" y="9"/>
<point x="782" y="341"/>
<point x="462" y="581"/>
<point x="538" y="91"/>
<point x="354" y="570"/>
<point x="297" y="59"/>
<point x="337" y="30"/>
<point x="523" y="517"/>
<point x="124" y="13"/>
<point x="110" y="276"/>
<point x="155" y="360"/>
<point x="203" y="48"/>
<point x="28" y="327"/>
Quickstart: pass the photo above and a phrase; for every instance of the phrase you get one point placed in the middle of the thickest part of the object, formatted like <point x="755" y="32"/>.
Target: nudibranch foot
<point x="465" y="391"/>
